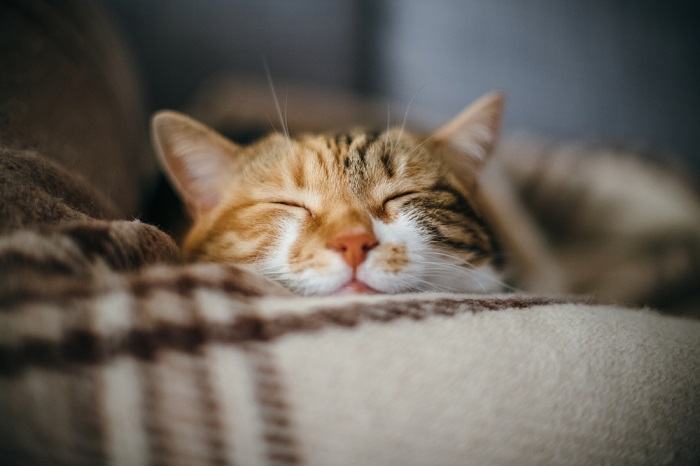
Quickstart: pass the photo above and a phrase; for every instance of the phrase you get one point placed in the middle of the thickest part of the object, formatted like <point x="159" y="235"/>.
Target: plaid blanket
<point x="205" y="364"/>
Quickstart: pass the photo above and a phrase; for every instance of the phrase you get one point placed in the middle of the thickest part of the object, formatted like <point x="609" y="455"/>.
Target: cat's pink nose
<point x="354" y="247"/>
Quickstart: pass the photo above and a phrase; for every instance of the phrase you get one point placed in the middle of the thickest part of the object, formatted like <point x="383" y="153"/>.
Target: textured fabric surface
<point x="193" y="365"/>
<point x="67" y="91"/>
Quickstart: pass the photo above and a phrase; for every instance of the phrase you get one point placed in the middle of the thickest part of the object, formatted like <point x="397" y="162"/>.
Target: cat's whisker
<point x="426" y="285"/>
<point x="450" y="272"/>
<point x="388" y="116"/>
<point x="411" y="283"/>
<point x="403" y="122"/>
<point x="273" y="272"/>
<point x="272" y="125"/>
<point x="396" y="140"/>
<point x="286" y="122"/>
<point x="419" y="145"/>
<point x="477" y="273"/>
<point x="285" y="129"/>
<point x="459" y="267"/>
<point x="432" y="286"/>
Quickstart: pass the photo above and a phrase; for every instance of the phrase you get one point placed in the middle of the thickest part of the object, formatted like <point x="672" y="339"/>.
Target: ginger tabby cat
<point x="362" y="212"/>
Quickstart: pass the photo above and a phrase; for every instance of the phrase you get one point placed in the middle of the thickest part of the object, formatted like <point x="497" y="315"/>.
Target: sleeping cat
<point x="358" y="211"/>
<point x="395" y="211"/>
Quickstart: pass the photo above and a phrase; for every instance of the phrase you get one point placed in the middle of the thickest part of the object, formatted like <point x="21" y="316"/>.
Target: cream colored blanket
<point x="195" y="365"/>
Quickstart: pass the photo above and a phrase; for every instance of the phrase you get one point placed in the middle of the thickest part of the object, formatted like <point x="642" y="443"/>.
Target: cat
<point x="399" y="211"/>
<point x="348" y="212"/>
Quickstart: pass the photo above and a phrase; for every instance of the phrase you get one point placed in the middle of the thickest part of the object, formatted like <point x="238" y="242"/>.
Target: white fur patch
<point x="428" y="269"/>
<point x="309" y="281"/>
<point x="403" y="231"/>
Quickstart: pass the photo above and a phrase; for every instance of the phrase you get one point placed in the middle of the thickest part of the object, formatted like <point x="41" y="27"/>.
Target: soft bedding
<point x="202" y="364"/>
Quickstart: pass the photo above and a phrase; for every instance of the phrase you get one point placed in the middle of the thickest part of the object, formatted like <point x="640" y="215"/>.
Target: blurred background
<point x="616" y="71"/>
<point x="621" y="73"/>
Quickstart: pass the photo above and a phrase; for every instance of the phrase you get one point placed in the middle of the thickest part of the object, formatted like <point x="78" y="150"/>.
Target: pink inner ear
<point x="201" y="196"/>
<point x="207" y="201"/>
<point x="476" y="129"/>
<point x="198" y="175"/>
<point x="196" y="159"/>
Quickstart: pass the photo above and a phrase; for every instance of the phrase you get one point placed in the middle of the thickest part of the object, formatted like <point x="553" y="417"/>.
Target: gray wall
<point x="179" y="43"/>
<point x="612" y="70"/>
<point x="620" y="71"/>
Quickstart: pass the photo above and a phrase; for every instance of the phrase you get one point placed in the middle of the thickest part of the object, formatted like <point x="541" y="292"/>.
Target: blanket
<point x="203" y="364"/>
<point x="112" y="351"/>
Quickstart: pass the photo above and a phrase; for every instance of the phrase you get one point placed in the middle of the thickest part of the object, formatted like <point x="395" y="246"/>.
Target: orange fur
<point x="327" y="185"/>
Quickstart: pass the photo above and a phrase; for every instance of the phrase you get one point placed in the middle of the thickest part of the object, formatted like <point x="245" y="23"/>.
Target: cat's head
<point x="360" y="211"/>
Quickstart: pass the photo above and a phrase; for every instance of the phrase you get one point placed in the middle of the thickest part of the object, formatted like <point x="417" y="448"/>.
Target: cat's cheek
<point x="323" y="281"/>
<point x="383" y="282"/>
<point x="391" y="258"/>
<point x="483" y="279"/>
<point x="374" y="280"/>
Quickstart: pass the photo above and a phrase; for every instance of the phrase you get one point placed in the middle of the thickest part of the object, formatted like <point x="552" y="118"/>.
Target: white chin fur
<point x="312" y="282"/>
<point x="427" y="269"/>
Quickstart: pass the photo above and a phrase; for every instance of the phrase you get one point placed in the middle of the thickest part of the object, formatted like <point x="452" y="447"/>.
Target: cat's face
<point x="359" y="211"/>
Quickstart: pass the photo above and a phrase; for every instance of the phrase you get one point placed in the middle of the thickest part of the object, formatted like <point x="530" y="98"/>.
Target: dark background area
<point x="615" y="71"/>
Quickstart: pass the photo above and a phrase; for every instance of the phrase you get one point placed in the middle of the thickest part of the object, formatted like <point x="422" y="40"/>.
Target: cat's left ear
<point x="475" y="131"/>
<point x="198" y="160"/>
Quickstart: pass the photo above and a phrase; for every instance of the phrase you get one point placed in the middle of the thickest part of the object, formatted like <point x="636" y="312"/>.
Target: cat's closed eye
<point x="398" y="196"/>
<point x="292" y="204"/>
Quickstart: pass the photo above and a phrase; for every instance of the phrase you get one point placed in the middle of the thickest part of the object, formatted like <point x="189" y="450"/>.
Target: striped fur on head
<point x="294" y="209"/>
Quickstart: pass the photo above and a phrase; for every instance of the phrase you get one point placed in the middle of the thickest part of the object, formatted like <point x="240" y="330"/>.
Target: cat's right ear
<point x="197" y="159"/>
<point x="474" y="132"/>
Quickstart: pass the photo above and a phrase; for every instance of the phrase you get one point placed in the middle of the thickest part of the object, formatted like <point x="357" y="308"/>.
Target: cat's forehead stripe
<point x="387" y="164"/>
<point x="366" y="140"/>
<point x="354" y="150"/>
<point x="299" y="174"/>
<point x="322" y="163"/>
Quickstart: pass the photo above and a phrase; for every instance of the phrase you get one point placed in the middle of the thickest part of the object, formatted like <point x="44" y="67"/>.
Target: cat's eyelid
<point x="289" y="203"/>
<point x="398" y="195"/>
